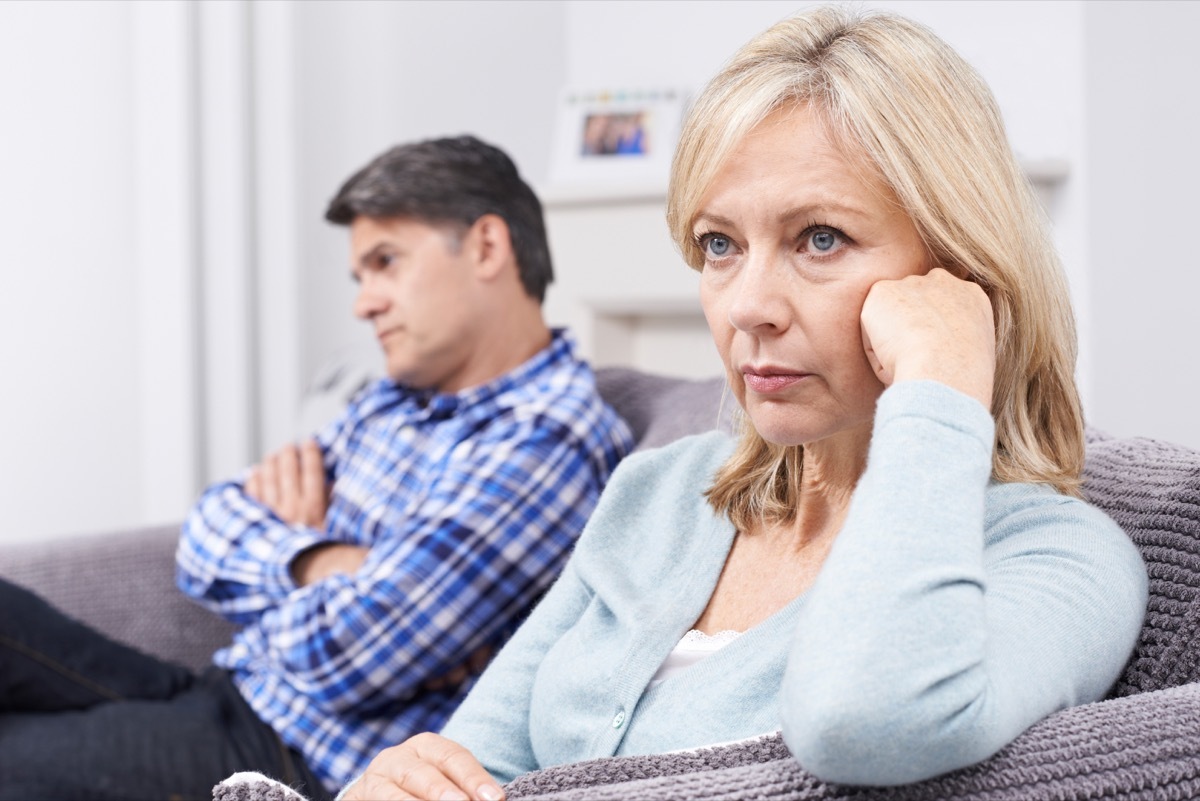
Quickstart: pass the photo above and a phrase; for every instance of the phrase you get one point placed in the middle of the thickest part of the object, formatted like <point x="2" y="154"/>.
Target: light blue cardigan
<point x="950" y="615"/>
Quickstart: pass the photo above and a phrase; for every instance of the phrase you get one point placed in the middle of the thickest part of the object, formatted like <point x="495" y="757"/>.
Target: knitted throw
<point x="1142" y="743"/>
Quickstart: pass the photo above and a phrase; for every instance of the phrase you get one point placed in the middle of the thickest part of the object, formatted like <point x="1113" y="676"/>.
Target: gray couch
<point x="1141" y="743"/>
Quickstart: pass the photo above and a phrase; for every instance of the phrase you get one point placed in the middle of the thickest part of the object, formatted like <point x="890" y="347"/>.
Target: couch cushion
<point x="1152" y="489"/>
<point x="661" y="409"/>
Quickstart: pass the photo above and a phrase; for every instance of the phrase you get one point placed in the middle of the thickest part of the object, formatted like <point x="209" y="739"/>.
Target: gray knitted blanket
<point x="1142" y="743"/>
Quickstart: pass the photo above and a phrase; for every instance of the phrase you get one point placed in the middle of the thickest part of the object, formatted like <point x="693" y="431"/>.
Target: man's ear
<point x="491" y="244"/>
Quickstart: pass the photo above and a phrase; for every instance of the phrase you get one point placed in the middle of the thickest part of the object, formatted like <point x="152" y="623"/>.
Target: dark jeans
<point x="84" y="717"/>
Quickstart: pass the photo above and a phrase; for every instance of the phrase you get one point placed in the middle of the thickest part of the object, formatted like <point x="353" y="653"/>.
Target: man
<point x="373" y="566"/>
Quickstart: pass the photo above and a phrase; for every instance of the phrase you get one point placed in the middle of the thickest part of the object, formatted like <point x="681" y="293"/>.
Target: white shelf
<point x="1048" y="171"/>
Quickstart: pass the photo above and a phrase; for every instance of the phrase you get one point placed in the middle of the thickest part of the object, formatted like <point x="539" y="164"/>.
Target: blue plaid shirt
<point x="470" y="503"/>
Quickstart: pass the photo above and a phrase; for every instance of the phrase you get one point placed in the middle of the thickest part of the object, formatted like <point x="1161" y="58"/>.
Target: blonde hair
<point x="891" y="91"/>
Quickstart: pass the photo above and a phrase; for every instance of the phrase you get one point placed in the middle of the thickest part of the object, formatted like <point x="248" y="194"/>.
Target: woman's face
<point x="793" y="237"/>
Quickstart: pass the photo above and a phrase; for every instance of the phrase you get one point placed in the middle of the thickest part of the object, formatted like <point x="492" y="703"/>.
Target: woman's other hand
<point x="427" y="766"/>
<point x="933" y="326"/>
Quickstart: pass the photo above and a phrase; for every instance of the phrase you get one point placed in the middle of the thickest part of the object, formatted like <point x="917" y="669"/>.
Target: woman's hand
<point x="932" y="326"/>
<point x="427" y="766"/>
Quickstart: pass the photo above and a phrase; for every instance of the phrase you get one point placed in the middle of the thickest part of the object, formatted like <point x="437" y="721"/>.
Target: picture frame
<point x="615" y="137"/>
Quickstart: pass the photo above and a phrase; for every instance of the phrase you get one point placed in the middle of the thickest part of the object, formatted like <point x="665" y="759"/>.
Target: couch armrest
<point x="123" y="585"/>
<point x="1144" y="747"/>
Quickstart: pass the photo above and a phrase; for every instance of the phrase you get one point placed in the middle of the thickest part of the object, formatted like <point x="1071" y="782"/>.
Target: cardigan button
<point x="618" y="719"/>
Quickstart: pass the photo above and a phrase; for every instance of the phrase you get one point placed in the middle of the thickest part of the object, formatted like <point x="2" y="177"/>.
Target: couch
<point x="1142" y="742"/>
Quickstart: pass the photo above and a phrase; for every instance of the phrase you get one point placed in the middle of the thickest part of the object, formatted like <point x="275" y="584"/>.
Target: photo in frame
<point x="612" y="137"/>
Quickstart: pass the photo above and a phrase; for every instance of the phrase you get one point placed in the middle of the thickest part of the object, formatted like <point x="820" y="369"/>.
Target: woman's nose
<point x="759" y="299"/>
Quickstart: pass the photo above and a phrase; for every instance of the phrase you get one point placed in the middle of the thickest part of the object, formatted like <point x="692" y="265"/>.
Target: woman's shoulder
<point x="657" y="495"/>
<point x="1035" y="519"/>
<point x="1012" y="503"/>
<point x="684" y="461"/>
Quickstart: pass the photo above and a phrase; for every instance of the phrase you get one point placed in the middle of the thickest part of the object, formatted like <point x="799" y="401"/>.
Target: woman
<point x="891" y="564"/>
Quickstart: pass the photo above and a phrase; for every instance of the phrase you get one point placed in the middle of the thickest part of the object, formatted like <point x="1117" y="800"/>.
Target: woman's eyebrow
<point x="802" y="211"/>
<point x="819" y="209"/>
<point x="711" y="220"/>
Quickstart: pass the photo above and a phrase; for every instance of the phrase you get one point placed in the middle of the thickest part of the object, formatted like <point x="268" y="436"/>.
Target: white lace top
<point x="694" y="646"/>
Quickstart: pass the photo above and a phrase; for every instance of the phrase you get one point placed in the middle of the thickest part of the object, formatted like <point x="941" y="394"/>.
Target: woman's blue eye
<point x="823" y="241"/>
<point x="717" y="246"/>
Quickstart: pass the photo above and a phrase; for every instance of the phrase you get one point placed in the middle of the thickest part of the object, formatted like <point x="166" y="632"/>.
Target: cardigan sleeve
<point x="952" y="613"/>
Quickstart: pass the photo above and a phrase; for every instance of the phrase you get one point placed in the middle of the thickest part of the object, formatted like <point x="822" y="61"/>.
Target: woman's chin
<point x="788" y="426"/>
<point x="785" y="429"/>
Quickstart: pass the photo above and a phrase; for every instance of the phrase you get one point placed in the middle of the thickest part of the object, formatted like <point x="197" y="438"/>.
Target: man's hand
<point x="932" y="326"/>
<point x="422" y="767"/>
<point x="291" y="483"/>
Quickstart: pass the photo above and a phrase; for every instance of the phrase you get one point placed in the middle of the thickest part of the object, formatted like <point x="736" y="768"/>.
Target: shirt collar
<point x="446" y="404"/>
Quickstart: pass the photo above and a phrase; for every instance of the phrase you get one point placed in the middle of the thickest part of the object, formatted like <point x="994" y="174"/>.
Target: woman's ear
<point x="491" y="244"/>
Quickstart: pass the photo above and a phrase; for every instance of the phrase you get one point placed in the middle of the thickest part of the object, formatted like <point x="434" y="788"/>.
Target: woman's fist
<point x="931" y="326"/>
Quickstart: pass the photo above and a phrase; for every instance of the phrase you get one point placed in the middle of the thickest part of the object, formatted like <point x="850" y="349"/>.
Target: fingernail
<point x="490" y="792"/>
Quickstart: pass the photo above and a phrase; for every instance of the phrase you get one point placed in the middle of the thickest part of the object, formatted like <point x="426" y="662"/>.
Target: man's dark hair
<point x="452" y="181"/>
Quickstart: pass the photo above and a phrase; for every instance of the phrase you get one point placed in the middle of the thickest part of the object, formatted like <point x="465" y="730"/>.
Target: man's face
<point x="418" y="288"/>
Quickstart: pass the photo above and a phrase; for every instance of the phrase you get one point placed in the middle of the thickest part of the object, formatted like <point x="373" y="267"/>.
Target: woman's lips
<point x="766" y="383"/>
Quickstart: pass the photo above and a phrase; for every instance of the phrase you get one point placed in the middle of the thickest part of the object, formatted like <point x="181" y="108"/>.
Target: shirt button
<point x="618" y="719"/>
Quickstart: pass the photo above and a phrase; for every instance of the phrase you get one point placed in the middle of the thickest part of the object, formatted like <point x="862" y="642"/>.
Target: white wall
<point x="68" y="269"/>
<point x="1143" y="158"/>
<point x="99" y="257"/>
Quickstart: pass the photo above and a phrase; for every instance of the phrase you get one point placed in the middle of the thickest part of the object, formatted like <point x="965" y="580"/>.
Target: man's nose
<point x="369" y="301"/>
